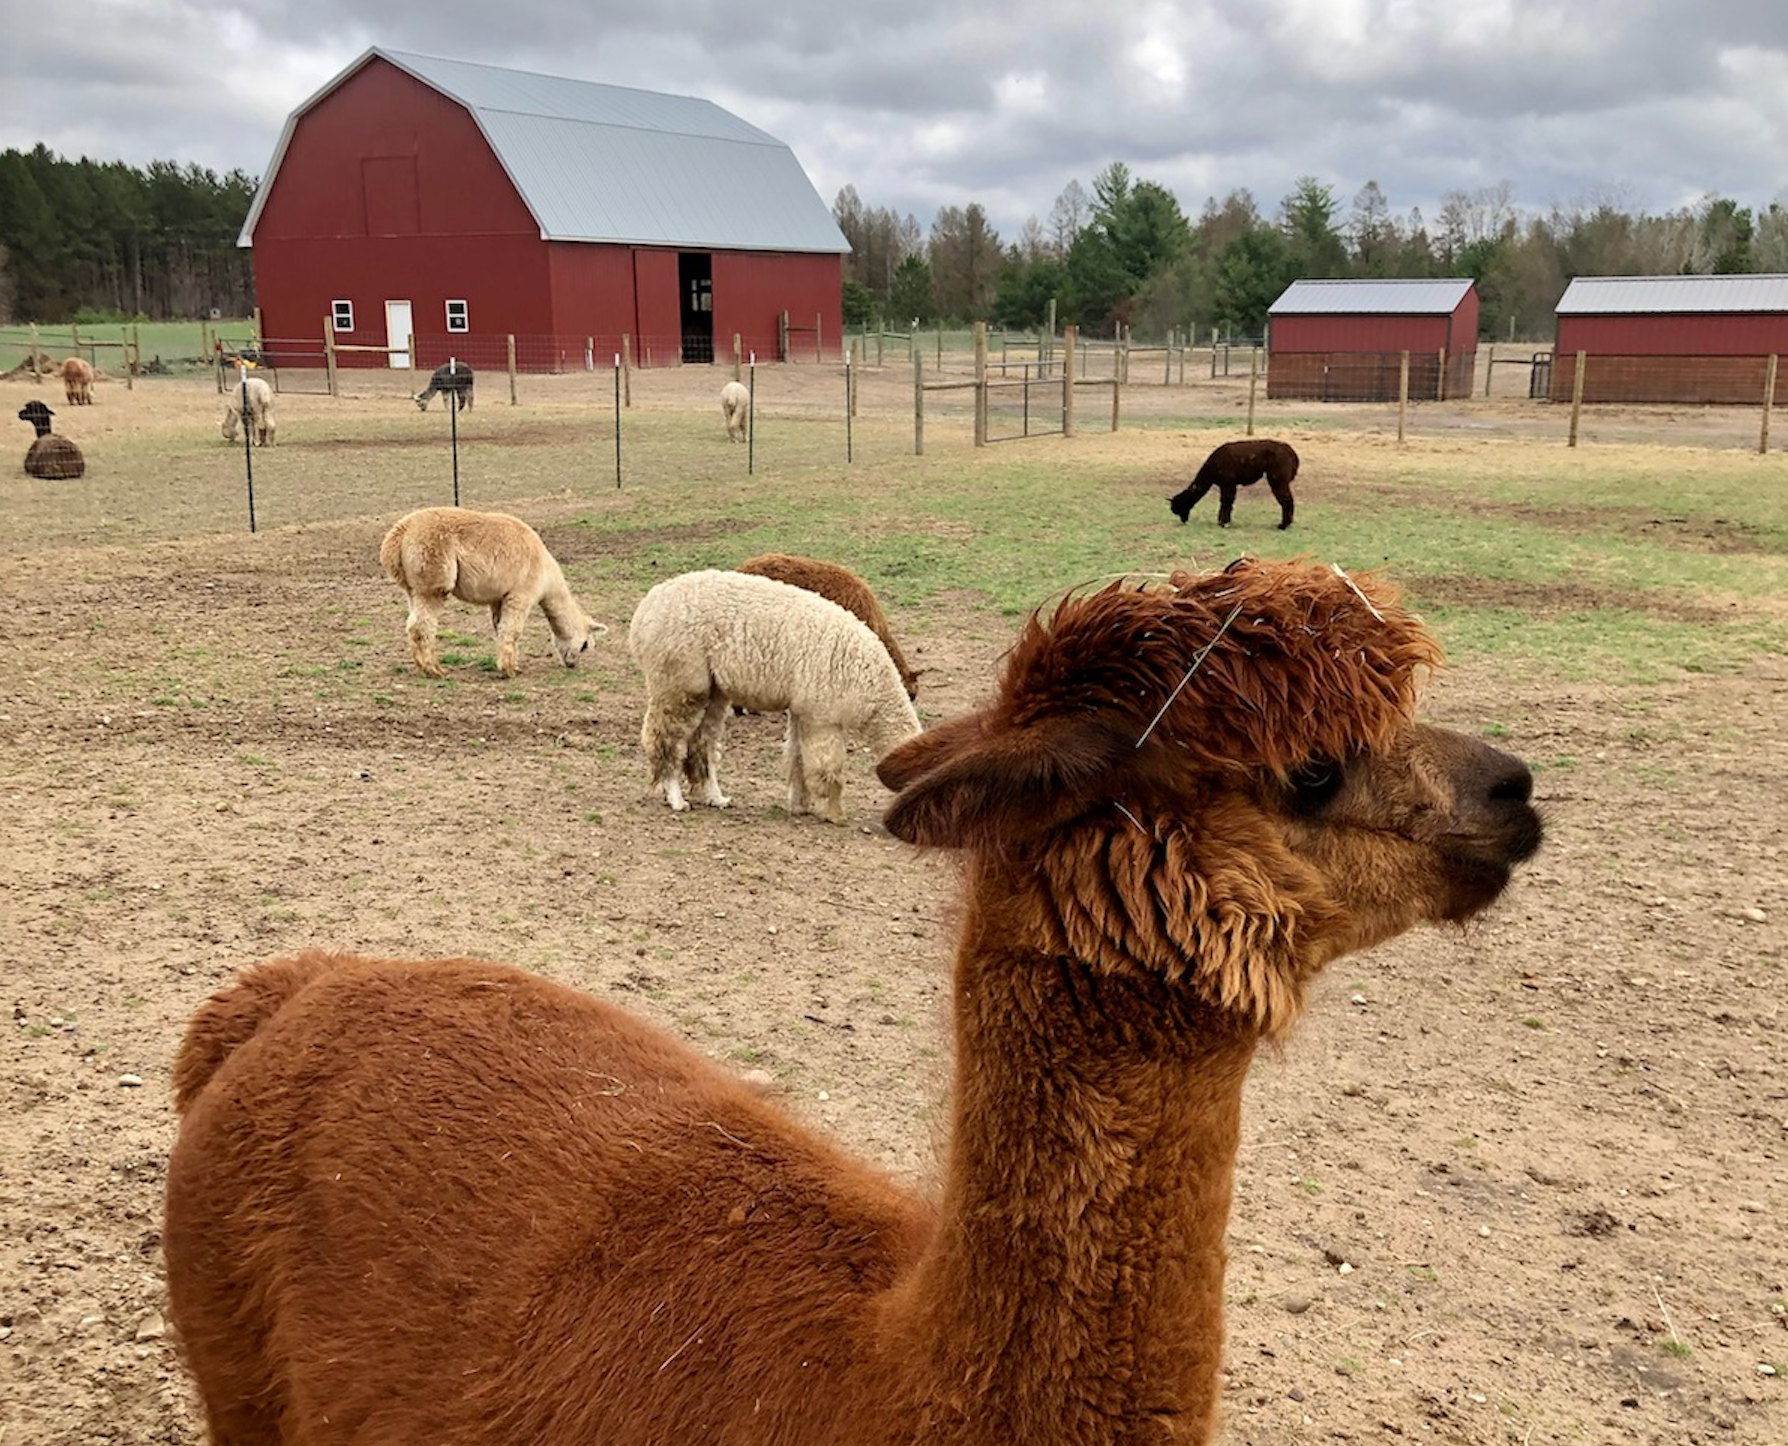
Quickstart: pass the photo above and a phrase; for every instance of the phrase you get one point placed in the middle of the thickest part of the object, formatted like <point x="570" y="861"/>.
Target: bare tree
<point x="965" y="261"/>
<point x="1068" y="217"/>
<point x="1769" y="247"/>
<point x="1372" y="232"/>
<point x="1471" y="216"/>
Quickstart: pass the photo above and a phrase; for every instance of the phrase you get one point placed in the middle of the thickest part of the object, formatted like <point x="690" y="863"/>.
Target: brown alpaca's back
<point x="619" y="1191"/>
<point x="842" y="586"/>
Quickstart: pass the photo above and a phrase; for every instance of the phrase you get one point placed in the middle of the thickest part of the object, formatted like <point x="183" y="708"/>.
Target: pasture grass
<point x="1624" y="563"/>
<point x="173" y="341"/>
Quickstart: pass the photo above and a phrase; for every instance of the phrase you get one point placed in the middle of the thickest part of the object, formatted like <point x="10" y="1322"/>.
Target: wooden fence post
<point x="1489" y="370"/>
<point x="626" y="369"/>
<point x="1070" y="334"/>
<point x="1769" y="401"/>
<point x="328" y="354"/>
<point x="738" y="356"/>
<point x="819" y="352"/>
<point x="1440" y="378"/>
<point x="980" y="384"/>
<point x="1577" y="397"/>
<point x="918" y="405"/>
<point x="511" y="336"/>
<point x="1253" y="387"/>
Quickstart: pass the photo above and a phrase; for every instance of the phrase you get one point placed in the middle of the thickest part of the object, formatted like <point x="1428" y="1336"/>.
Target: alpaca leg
<point x="424" y="619"/>
<point x="822" y="767"/>
<point x="701" y="760"/>
<point x="664" y="738"/>
<point x="794" y="762"/>
<point x="1225" y="502"/>
<point x="508" y="618"/>
<point x="1282" y="491"/>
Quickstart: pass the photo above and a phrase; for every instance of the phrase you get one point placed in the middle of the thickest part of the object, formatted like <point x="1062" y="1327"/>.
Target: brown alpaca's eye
<point x="1314" y="785"/>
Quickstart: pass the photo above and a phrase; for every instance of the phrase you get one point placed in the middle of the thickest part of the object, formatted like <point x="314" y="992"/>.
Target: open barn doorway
<point x="695" y="283"/>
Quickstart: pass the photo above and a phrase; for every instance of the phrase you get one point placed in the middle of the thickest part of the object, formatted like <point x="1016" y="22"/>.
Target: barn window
<point x="458" y="318"/>
<point x="344" y="315"/>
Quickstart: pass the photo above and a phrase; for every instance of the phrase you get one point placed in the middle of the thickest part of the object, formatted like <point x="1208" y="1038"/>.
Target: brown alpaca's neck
<point x="1075" y="1290"/>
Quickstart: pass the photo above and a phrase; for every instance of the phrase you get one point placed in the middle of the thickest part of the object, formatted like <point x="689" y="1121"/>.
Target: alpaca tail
<point x="391" y="554"/>
<point x="231" y="1017"/>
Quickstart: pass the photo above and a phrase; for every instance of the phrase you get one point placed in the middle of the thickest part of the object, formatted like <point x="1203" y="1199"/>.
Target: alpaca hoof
<point x="718" y="800"/>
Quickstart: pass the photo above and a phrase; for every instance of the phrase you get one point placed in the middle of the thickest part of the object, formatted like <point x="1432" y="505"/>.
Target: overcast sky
<point x="924" y="103"/>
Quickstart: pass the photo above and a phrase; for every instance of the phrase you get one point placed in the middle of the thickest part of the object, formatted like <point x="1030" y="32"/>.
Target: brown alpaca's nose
<point x="1515" y="785"/>
<point x="1509" y="797"/>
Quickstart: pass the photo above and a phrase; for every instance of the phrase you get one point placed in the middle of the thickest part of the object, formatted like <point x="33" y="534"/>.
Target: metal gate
<point x="1014" y="414"/>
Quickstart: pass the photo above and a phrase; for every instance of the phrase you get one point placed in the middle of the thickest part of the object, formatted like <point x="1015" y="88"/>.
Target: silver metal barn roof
<point x="1651" y="295"/>
<point x="610" y="164"/>
<point x="1371" y="298"/>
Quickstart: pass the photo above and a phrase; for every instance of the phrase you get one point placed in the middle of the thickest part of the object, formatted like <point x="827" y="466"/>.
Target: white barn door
<point x="398" y="333"/>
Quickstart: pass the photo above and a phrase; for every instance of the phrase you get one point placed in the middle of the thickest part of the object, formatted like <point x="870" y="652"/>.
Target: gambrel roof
<point x="607" y="163"/>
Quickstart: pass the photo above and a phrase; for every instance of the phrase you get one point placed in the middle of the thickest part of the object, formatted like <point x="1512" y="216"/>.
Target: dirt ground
<point x="1518" y="1183"/>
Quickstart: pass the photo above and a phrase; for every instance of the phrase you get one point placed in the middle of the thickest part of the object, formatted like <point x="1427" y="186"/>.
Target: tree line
<point x="1124" y="253"/>
<point x="101" y="240"/>
<point x="92" y="240"/>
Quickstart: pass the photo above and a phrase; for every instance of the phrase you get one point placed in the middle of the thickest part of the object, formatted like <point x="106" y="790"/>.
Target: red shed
<point x="449" y="206"/>
<point x="1671" y="338"/>
<point x="1342" y="341"/>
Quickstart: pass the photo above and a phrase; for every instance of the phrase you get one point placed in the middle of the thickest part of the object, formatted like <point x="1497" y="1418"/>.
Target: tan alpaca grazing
<point x="486" y="558"/>
<point x="261" y="424"/>
<point x="77" y="381"/>
<point x="735" y="410"/>
<point x="453" y="1202"/>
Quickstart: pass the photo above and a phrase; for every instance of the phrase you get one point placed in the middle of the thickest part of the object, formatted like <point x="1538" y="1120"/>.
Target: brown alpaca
<point x="77" y="382"/>
<point x="488" y="558"/>
<point x="53" y="458"/>
<point x="453" y="1202"/>
<point x="843" y="587"/>
<point x="1241" y="464"/>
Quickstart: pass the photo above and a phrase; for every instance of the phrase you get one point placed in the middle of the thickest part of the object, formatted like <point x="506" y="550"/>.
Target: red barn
<point x="1343" y="341"/>
<point x="458" y="204"/>
<point x="1671" y="338"/>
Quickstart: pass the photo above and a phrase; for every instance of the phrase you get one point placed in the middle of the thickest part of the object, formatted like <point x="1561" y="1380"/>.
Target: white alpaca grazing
<point x="260" y="411"/>
<point x="735" y="406"/>
<point x="486" y="558"/>
<point x="707" y="640"/>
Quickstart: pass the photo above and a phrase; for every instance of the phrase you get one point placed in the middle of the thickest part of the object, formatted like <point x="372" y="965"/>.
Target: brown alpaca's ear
<point x="962" y="785"/>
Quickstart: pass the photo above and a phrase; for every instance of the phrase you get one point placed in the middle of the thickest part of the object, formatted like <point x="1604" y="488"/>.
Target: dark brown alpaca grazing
<point x="1235" y="465"/>
<point x="843" y="587"/>
<point x="451" y="1202"/>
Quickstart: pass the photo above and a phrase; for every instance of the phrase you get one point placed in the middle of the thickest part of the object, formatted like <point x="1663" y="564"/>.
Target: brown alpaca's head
<point x="1219" y="780"/>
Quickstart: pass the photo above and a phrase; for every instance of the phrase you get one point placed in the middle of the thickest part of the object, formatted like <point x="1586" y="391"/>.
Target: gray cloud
<point x="936" y="103"/>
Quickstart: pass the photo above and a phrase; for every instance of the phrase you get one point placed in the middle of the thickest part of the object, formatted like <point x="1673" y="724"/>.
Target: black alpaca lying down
<point x="1239" y="464"/>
